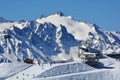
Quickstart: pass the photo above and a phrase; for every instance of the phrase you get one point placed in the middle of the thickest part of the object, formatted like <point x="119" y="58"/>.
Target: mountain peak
<point x="59" y="13"/>
<point x="2" y="19"/>
<point x="52" y="37"/>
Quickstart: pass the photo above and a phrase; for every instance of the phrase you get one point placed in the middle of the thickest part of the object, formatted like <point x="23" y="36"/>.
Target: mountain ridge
<point x="53" y="36"/>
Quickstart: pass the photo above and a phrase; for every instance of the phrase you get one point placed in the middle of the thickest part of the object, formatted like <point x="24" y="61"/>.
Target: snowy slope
<point x="10" y="69"/>
<point x="108" y="72"/>
<point x="91" y="33"/>
<point x="66" y="69"/>
<point x="70" y="71"/>
<point x="37" y="41"/>
<point x="52" y="38"/>
<point x="77" y="29"/>
<point x="117" y="34"/>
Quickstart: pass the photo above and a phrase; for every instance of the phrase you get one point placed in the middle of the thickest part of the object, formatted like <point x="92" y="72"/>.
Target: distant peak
<point x="117" y="32"/>
<point x="42" y="16"/>
<point x="2" y="20"/>
<point x="21" y="21"/>
<point x="59" y="13"/>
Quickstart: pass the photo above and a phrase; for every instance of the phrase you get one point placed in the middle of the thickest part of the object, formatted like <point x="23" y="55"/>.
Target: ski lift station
<point x="89" y="54"/>
<point x="86" y="54"/>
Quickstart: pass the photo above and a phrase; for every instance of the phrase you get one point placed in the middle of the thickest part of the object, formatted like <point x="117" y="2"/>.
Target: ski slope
<point x="75" y="76"/>
<point x="10" y="69"/>
<point x="109" y="72"/>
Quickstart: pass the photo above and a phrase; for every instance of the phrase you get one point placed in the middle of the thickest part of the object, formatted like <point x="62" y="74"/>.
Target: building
<point x="28" y="61"/>
<point x="88" y="54"/>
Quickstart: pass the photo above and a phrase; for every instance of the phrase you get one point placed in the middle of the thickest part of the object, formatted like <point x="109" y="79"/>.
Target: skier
<point x="17" y="77"/>
<point x="39" y="62"/>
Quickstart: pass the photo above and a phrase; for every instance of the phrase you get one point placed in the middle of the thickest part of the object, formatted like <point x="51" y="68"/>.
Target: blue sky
<point x="104" y="13"/>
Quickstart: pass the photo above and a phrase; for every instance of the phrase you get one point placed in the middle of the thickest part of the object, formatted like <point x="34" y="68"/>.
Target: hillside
<point x="64" y="71"/>
<point x="53" y="37"/>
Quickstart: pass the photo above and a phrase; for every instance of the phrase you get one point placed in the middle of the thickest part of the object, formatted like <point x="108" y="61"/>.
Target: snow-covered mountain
<point x="52" y="37"/>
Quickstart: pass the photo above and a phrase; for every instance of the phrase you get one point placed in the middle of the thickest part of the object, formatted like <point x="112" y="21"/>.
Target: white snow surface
<point x="10" y="69"/>
<point x="78" y="29"/>
<point x="116" y="34"/>
<point x="70" y="71"/>
<point x="8" y="25"/>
